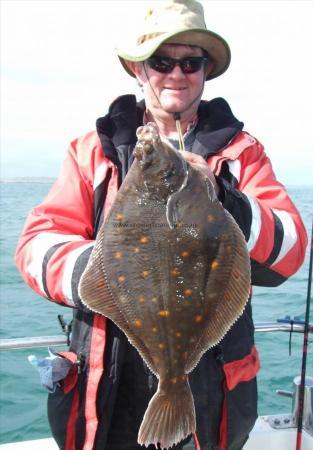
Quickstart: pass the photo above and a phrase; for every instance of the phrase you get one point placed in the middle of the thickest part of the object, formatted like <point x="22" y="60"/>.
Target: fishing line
<point x="305" y="350"/>
<point x="179" y="131"/>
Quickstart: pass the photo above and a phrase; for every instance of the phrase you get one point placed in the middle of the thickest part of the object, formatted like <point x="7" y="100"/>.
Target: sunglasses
<point x="165" y="64"/>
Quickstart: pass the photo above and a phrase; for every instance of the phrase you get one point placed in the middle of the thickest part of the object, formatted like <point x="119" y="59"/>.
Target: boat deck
<point x="263" y="436"/>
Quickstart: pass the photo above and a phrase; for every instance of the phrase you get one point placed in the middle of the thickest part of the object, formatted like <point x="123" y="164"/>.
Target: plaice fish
<point x="171" y="268"/>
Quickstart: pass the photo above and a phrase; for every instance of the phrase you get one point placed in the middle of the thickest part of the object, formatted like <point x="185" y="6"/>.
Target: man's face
<point x="175" y="91"/>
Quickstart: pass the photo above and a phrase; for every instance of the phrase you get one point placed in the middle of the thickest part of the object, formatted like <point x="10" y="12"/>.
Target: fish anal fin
<point x="227" y="290"/>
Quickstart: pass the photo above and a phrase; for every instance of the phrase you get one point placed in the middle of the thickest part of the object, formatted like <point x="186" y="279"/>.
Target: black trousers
<point x="135" y="385"/>
<point x="131" y="403"/>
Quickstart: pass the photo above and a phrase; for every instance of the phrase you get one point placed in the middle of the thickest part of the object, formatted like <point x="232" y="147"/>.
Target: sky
<point x="59" y="73"/>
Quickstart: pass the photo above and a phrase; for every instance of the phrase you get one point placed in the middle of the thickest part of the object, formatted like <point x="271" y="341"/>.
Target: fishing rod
<point x="305" y="350"/>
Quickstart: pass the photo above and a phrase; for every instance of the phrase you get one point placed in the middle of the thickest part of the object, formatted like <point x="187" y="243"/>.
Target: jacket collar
<point x="117" y="132"/>
<point x="216" y="127"/>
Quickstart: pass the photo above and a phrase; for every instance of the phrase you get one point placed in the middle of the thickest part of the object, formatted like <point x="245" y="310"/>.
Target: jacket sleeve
<point x="272" y="226"/>
<point x="56" y="242"/>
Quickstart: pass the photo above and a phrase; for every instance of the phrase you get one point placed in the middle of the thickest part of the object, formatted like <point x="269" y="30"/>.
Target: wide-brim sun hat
<point x="175" y="22"/>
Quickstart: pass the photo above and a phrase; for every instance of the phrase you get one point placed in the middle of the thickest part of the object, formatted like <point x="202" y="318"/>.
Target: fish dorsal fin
<point x="95" y="293"/>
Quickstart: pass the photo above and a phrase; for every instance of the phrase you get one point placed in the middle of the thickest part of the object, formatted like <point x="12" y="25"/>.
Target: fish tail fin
<point x="169" y="418"/>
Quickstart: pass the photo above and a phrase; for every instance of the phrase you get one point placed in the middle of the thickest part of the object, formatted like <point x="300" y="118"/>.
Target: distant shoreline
<point x="28" y="180"/>
<point x="50" y="180"/>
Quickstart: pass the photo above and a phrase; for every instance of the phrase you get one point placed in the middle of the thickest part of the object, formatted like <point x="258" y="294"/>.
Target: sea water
<point x="24" y="313"/>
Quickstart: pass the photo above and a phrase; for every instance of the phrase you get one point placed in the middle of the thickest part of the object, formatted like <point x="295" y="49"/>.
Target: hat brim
<point x="214" y="44"/>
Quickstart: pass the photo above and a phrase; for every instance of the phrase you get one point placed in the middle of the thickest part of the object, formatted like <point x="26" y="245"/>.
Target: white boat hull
<point x="264" y="437"/>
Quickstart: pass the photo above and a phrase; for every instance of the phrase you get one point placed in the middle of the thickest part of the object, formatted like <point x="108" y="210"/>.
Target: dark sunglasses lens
<point x="166" y="65"/>
<point x="163" y="65"/>
<point x="191" y="65"/>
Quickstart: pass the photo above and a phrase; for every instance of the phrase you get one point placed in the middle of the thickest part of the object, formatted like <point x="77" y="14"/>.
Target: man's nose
<point x="177" y="72"/>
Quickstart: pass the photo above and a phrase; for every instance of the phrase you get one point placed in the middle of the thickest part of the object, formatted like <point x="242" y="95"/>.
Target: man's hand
<point x="199" y="163"/>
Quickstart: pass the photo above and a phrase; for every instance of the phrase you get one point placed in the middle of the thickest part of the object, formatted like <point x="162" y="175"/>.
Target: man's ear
<point x="209" y="69"/>
<point x="138" y="71"/>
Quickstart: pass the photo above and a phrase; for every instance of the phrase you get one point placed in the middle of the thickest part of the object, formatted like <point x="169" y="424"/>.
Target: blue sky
<point x="59" y="73"/>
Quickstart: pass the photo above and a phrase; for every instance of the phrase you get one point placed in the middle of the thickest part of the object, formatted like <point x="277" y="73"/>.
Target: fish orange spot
<point x="101" y="284"/>
<point x="138" y="323"/>
<point x="227" y="296"/>
<point x="236" y="275"/>
<point x="145" y="273"/>
<point x="141" y="299"/>
<point x="118" y="255"/>
<point x="119" y="216"/>
<point x="178" y="225"/>
<point x="121" y="279"/>
<point x="211" y="218"/>
<point x="174" y="380"/>
<point x="184" y="254"/>
<point x="174" y="273"/>
<point x="178" y="334"/>
<point x="164" y="313"/>
<point x="144" y="240"/>
<point x="188" y="292"/>
<point x="183" y="377"/>
<point x="198" y="318"/>
<point x="161" y="346"/>
<point x="214" y="265"/>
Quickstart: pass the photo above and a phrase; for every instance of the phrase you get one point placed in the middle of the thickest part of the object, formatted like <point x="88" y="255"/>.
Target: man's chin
<point x="173" y="107"/>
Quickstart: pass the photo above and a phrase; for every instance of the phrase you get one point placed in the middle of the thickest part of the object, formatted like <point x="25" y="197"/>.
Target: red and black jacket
<point x="57" y="241"/>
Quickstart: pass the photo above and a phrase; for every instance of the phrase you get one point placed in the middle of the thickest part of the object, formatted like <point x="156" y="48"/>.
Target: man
<point x="101" y="402"/>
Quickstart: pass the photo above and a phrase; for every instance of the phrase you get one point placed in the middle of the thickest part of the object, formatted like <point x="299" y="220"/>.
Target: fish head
<point x="162" y="169"/>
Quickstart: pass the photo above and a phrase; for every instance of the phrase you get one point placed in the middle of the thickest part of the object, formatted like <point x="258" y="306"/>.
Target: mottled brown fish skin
<point x="173" y="272"/>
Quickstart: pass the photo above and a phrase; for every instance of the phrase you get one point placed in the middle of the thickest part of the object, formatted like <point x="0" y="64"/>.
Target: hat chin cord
<point x="176" y="115"/>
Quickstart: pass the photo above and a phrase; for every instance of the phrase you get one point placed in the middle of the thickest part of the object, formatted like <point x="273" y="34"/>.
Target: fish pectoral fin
<point x="173" y="215"/>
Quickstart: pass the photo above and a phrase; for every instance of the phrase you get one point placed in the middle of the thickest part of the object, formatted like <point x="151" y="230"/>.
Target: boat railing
<point x="287" y="325"/>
